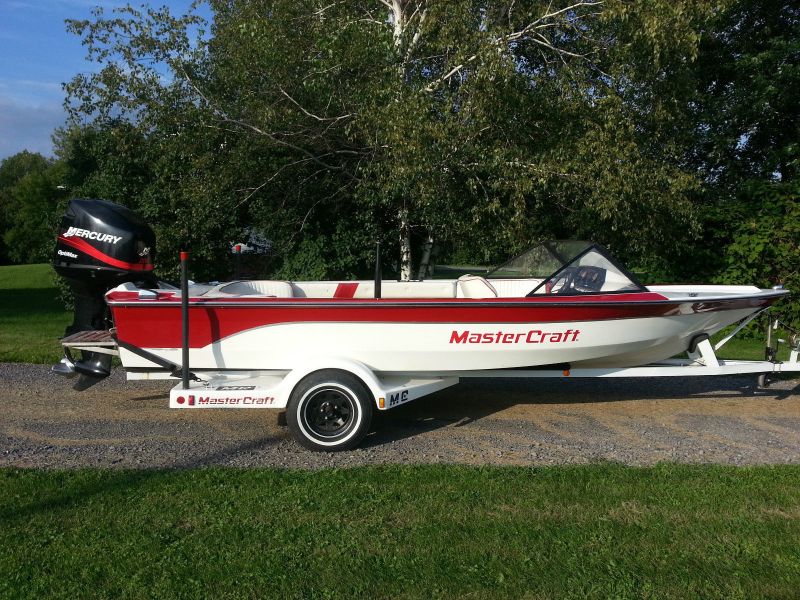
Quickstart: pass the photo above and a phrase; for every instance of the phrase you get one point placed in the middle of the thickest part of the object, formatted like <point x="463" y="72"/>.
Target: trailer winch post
<point x="185" y="319"/>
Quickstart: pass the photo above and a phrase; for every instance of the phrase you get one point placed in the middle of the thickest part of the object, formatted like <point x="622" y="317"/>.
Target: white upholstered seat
<point x="475" y="286"/>
<point x="263" y="287"/>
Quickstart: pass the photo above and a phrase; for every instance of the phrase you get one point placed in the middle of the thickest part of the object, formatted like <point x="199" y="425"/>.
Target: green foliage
<point x="488" y="125"/>
<point x="746" y="144"/>
<point x="31" y="188"/>
<point x="748" y="113"/>
<point x="765" y="245"/>
<point x="12" y="170"/>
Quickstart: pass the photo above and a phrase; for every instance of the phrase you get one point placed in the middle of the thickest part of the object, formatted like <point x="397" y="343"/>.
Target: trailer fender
<point x="360" y="370"/>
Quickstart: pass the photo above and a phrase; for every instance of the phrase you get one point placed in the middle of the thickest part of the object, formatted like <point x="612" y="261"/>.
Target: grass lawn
<point x="598" y="531"/>
<point x="31" y="316"/>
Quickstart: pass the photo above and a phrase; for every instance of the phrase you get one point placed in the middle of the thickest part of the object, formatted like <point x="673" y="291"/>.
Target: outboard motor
<point x="100" y="244"/>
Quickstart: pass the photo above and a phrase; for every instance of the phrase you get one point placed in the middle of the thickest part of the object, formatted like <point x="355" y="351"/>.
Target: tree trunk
<point x="405" y="246"/>
<point x="425" y="262"/>
<point x="402" y="14"/>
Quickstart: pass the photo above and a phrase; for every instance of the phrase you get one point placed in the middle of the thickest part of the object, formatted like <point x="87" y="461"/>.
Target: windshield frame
<point x="551" y="247"/>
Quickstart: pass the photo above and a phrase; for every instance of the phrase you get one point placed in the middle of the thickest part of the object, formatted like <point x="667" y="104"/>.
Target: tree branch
<point x="417" y="34"/>
<point x="225" y="117"/>
<point x="542" y="22"/>
<point x="310" y="114"/>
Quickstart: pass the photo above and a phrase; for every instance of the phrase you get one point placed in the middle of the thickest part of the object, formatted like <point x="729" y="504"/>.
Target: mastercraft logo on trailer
<point x="224" y="400"/>
<point x="235" y="401"/>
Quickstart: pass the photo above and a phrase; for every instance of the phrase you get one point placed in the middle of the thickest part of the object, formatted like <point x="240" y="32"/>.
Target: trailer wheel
<point x="330" y="410"/>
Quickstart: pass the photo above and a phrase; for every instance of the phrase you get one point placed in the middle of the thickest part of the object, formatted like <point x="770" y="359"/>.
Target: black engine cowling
<point x="100" y="244"/>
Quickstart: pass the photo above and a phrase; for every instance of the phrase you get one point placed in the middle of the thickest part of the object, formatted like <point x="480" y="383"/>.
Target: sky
<point x="37" y="56"/>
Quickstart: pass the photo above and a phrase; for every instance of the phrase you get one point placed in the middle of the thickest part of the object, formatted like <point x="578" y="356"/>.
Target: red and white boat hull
<point x="425" y="347"/>
<point x="423" y="336"/>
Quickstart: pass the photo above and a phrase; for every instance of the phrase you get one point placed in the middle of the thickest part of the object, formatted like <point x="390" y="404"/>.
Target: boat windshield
<point x="568" y="268"/>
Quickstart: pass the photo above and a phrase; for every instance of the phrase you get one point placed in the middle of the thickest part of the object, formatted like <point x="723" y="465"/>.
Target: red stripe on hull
<point x="345" y="290"/>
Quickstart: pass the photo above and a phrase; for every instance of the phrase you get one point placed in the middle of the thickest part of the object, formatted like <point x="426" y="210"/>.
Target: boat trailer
<point x="339" y="378"/>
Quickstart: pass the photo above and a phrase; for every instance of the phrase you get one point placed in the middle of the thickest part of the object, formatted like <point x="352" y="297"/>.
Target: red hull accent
<point x="87" y="248"/>
<point x="345" y="290"/>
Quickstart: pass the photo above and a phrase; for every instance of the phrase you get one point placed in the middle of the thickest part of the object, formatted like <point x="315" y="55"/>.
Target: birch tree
<point x="419" y="122"/>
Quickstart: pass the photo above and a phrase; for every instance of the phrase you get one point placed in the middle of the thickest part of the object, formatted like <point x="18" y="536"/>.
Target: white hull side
<point x="427" y="347"/>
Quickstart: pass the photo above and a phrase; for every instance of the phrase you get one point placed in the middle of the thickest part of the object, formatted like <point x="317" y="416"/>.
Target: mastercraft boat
<point x="559" y="303"/>
<point x="561" y="307"/>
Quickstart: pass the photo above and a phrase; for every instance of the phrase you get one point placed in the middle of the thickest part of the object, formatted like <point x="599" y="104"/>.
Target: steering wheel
<point x="562" y="283"/>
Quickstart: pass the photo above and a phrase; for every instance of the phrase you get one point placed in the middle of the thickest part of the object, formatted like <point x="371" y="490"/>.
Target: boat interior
<point x="472" y="286"/>
<point x="551" y="268"/>
<point x="564" y="268"/>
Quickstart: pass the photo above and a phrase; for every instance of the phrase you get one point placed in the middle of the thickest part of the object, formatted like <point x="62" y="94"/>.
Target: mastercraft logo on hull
<point x="534" y="336"/>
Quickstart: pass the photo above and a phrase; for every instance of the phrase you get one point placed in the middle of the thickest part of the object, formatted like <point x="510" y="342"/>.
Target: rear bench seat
<point x="469" y="286"/>
<point x="366" y="289"/>
<point x="263" y="287"/>
<point x="408" y="289"/>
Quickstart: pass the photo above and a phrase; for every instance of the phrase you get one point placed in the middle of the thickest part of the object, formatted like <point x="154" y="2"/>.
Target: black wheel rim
<point x="329" y="412"/>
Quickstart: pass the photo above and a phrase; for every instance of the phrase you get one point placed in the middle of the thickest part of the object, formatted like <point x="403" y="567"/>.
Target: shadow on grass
<point x="122" y="481"/>
<point x="30" y="303"/>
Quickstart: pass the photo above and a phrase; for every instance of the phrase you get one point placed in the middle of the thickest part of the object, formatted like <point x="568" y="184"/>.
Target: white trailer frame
<point x="272" y="389"/>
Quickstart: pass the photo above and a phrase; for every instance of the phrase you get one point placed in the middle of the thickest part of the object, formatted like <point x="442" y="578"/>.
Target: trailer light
<point x="382" y="402"/>
<point x="180" y="400"/>
<point x="566" y="372"/>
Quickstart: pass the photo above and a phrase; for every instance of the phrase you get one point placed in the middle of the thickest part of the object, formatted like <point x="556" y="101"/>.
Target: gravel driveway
<point x="45" y="423"/>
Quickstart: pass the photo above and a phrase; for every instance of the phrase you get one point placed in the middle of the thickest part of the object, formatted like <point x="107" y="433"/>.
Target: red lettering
<point x="459" y="338"/>
<point x="530" y="336"/>
<point x="534" y="336"/>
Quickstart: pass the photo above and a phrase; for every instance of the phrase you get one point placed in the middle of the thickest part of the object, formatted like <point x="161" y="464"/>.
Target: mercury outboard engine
<point x="100" y="244"/>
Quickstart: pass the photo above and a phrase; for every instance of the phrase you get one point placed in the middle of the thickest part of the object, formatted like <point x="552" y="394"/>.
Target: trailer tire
<point x="329" y="411"/>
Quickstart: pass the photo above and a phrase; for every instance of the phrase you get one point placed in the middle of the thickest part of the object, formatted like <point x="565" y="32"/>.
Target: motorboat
<point x="560" y="307"/>
<point x="559" y="303"/>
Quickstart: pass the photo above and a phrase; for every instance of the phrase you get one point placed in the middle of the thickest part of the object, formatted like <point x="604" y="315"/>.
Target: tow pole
<point x="185" y="319"/>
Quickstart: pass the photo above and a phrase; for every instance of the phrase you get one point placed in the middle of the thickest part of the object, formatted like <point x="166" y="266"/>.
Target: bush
<point x="765" y="246"/>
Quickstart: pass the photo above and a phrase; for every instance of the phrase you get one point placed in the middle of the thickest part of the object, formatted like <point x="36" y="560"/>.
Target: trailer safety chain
<point x="794" y="333"/>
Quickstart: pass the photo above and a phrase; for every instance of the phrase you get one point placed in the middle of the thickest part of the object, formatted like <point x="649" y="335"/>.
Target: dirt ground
<point x="45" y="423"/>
